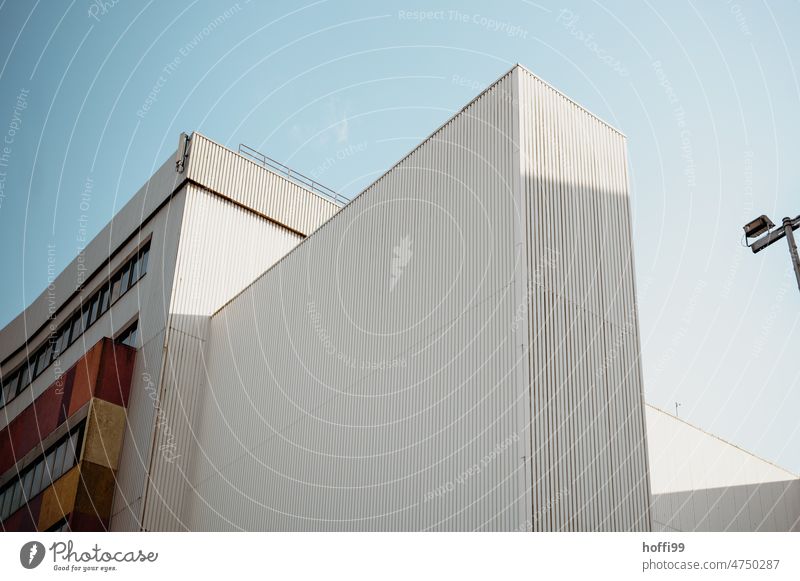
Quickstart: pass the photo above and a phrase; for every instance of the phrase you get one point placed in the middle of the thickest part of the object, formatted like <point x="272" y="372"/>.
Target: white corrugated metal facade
<point x="587" y="399"/>
<point x="238" y="220"/>
<point x="456" y="349"/>
<point x="384" y="375"/>
<point x="703" y="483"/>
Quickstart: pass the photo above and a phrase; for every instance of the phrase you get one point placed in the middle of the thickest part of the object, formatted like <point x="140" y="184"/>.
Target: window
<point x="104" y="302"/>
<point x="5" y="503"/>
<point x="71" y="451"/>
<point x="125" y="280"/>
<point x="37" y="476"/>
<point x="58" y="464"/>
<point x="10" y="387"/>
<point x="43" y="360"/>
<point x="49" y="471"/>
<point x="18" y="383"/>
<point x="62" y="341"/>
<point x="91" y="311"/>
<point x="115" y="288"/>
<point x="53" y="347"/>
<point x="25" y="377"/>
<point x="128" y="336"/>
<point x="80" y="320"/>
<point x="27" y="480"/>
<point x="143" y="256"/>
<point x="77" y="327"/>
<point x="15" y="499"/>
<point x="134" y="271"/>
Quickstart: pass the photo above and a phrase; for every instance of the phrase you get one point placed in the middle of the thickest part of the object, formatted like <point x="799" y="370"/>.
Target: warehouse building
<point x="455" y="349"/>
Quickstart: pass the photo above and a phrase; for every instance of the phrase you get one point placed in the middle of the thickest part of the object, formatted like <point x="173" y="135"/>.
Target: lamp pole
<point x="762" y="224"/>
<point x="788" y="228"/>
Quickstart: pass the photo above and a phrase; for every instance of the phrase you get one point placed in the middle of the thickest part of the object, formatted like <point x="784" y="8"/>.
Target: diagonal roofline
<point x="567" y="97"/>
<point x="406" y="156"/>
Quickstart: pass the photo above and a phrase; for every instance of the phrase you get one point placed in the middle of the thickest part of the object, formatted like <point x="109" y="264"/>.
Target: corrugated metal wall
<point x="703" y="483"/>
<point x="377" y="377"/>
<point x="151" y="300"/>
<point x="225" y="172"/>
<point x="206" y="248"/>
<point x="222" y="248"/>
<point x="588" y="433"/>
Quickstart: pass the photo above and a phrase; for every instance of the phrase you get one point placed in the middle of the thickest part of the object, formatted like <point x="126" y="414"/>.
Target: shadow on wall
<point x="762" y="507"/>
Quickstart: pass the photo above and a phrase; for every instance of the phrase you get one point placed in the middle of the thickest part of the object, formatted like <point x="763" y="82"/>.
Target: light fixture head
<point x="758" y="226"/>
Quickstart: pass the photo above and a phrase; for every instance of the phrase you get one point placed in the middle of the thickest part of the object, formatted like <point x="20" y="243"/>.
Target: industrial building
<point x="457" y="348"/>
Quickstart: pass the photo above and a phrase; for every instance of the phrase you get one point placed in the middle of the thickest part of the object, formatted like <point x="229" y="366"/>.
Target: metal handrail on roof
<point x="294" y="176"/>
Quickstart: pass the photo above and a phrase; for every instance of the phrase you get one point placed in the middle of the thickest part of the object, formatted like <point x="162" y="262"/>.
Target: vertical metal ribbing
<point x="458" y="397"/>
<point x="590" y="400"/>
<point x="581" y="436"/>
<point x="520" y="356"/>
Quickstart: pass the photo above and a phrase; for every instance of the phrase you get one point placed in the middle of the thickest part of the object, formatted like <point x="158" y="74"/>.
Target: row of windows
<point x="41" y="473"/>
<point x="89" y="312"/>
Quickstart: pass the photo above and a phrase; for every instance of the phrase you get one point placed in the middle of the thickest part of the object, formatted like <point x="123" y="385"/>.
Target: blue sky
<point x="707" y="93"/>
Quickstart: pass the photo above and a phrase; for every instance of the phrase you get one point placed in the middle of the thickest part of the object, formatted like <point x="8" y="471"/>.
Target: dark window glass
<point x="63" y="339"/>
<point x="103" y="303"/>
<point x="134" y="271"/>
<point x="86" y="315"/>
<point x="49" y="474"/>
<point x="16" y="501"/>
<point x="58" y="466"/>
<point x="27" y="481"/>
<point x="143" y="256"/>
<point x="37" y="487"/>
<point x="128" y="336"/>
<point x="10" y="387"/>
<point x="34" y="363"/>
<point x="43" y="359"/>
<point x="25" y="377"/>
<point x="77" y="327"/>
<point x="2" y="505"/>
<point x="125" y="280"/>
<point x="115" y="287"/>
<point x="91" y="311"/>
<point x="20" y="379"/>
<point x="53" y="340"/>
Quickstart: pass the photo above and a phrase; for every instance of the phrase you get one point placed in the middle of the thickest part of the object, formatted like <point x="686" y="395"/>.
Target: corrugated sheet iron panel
<point x="152" y="294"/>
<point x="250" y="184"/>
<point x="367" y="381"/>
<point x="590" y="459"/>
<point x="703" y="483"/>
<point x="222" y="248"/>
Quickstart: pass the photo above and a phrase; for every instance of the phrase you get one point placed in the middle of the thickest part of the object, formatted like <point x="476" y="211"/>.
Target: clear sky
<point x="708" y="94"/>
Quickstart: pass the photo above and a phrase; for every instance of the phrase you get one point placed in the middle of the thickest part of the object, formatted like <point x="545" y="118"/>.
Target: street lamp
<point x="786" y="230"/>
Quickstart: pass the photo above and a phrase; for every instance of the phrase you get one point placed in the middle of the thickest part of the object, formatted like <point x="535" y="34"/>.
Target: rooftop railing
<point x="294" y="176"/>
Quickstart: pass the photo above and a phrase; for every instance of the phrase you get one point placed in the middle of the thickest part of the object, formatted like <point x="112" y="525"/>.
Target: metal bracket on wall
<point x="183" y="152"/>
